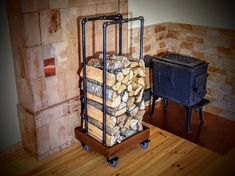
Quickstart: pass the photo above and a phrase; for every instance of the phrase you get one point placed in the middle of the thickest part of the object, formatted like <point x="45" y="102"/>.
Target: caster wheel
<point x="113" y="162"/>
<point x="85" y="147"/>
<point x="144" y="145"/>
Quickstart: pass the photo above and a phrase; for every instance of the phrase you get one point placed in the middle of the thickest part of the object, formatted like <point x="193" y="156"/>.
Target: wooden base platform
<point x="115" y="150"/>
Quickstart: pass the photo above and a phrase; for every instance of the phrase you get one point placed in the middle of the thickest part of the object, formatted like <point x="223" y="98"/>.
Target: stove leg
<point x="165" y="103"/>
<point x="188" y="118"/>
<point x="201" y="115"/>
<point x="153" y="105"/>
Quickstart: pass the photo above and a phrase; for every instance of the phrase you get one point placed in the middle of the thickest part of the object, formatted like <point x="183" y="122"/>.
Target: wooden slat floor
<point x="167" y="155"/>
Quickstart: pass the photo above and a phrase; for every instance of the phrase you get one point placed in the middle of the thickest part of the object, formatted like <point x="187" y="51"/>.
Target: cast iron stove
<point x="181" y="79"/>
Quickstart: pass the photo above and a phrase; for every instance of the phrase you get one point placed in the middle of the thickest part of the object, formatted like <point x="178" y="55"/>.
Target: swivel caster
<point x="145" y="144"/>
<point x="85" y="147"/>
<point x="113" y="162"/>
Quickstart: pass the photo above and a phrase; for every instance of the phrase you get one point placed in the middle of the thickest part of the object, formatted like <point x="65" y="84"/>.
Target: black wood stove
<point x="181" y="79"/>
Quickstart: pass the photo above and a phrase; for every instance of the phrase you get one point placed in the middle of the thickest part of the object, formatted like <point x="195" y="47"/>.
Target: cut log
<point x="133" y="110"/>
<point x="141" y="105"/>
<point x="121" y="109"/>
<point x="113" y="104"/>
<point x="138" y="90"/>
<point x="131" y="93"/>
<point x="129" y="88"/>
<point x="115" y="131"/>
<point x="134" y="64"/>
<point x="97" y="133"/>
<point x="135" y="85"/>
<point x="120" y="112"/>
<point x="100" y="125"/>
<point x="126" y="71"/>
<point x="120" y="76"/>
<point x="125" y="97"/>
<point x="139" y="97"/>
<point x="127" y="123"/>
<point x="130" y="101"/>
<point x="114" y="58"/>
<point x="116" y="86"/>
<point x="123" y="59"/>
<point x="139" y="80"/>
<point x="121" y="88"/>
<point x="121" y="124"/>
<point x="97" y="90"/>
<point x="131" y="75"/>
<point x="135" y="70"/>
<point x="140" y="127"/>
<point x="110" y="64"/>
<point x="96" y="74"/>
<point x="129" y="133"/>
<point x="133" y="124"/>
<point x="125" y="79"/>
<point x="121" y="117"/>
<point x="98" y="115"/>
<point x="122" y="105"/>
<point x="128" y="83"/>
<point x="140" y="114"/>
<point x="139" y="71"/>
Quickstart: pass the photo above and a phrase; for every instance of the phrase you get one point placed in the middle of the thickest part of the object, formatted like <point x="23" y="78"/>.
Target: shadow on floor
<point x="216" y="133"/>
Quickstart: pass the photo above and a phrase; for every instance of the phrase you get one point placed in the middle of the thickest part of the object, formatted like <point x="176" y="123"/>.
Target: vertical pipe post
<point x="201" y="114"/>
<point x="188" y="118"/>
<point x="141" y="36"/>
<point x="120" y="38"/>
<point x="105" y="24"/>
<point x="84" y="20"/>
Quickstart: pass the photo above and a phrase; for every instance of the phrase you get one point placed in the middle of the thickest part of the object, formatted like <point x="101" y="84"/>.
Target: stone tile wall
<point x="45" y="29"/>
<point x="49" y="130"/>
<point x="214" y="45"/>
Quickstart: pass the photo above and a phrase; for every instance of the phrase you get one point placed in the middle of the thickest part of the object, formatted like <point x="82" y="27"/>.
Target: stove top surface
<point x="180" y="59"/>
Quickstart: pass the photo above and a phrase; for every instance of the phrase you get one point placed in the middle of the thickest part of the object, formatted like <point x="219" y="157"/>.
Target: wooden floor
<point x="216" y="133"/>
<point x="167" y="154"/>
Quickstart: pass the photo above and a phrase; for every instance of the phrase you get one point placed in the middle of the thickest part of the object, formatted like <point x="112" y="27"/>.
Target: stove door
<point x="199" y="89"/>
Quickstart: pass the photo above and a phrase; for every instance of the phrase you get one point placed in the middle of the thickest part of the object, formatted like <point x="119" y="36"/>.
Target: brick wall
<point x="155" y="39"/>
<point x="214" y="45"/>
<point x="46" y="55"/>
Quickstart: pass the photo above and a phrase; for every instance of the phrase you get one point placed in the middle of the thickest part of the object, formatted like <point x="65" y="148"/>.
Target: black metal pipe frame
<point x="105" y="26"/>
<point x="120" y="38"/>
<point x="83" y="22"/>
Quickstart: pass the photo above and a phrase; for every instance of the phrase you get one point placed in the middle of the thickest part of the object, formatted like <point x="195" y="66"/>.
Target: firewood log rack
<point x="81" y="133"/>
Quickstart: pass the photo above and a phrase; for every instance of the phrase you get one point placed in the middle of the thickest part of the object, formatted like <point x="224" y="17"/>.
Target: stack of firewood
<point x="124" y="97"/>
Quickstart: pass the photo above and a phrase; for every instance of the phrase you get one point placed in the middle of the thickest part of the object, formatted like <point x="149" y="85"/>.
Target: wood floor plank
<point x="192" y="163"/>
<point x="167" y="155"/>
